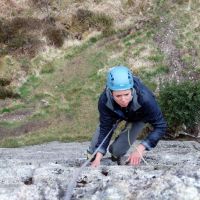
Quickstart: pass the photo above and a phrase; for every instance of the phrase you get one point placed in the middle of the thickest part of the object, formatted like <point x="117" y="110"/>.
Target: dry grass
<point x="139" y="7"/>
<point x="11" y="8"/>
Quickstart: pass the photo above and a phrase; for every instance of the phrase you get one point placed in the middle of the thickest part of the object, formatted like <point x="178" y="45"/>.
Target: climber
<point x="126" y="98"/>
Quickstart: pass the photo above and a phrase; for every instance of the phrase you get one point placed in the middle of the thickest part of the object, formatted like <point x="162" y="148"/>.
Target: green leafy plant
<point x="180" y="103"/>
<point x="12" y="108"/>
<point x="28" y="86"/>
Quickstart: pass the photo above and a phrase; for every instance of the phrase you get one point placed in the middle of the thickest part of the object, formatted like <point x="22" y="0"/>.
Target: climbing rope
<point x="142" y="157"/>
<point x="184" y="133"/>
<point x="72" y="184"/>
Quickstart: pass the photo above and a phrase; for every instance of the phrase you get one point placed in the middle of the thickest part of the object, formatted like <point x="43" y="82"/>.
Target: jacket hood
<point x="110" y="100"/>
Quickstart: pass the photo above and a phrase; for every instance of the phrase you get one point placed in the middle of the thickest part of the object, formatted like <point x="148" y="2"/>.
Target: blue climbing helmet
<point x="119" y="78"/>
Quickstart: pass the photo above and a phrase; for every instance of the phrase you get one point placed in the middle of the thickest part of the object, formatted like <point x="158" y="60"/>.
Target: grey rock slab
<point x="170" y="171"/>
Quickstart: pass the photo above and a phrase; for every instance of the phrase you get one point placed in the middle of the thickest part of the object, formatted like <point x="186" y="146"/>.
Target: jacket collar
<point x="110" y="99"/>
<point x="136" y="104"/>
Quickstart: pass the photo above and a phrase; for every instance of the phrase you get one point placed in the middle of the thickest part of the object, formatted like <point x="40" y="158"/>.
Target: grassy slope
<point x="63" y="93"/>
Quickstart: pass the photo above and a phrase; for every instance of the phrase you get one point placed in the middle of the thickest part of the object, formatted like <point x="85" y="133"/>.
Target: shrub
<point x="17" y="42"/>
<point x="20" y="26"/>
<point x="93" y="39"/>
<point x="55" y="36"/>
<point x="3" y="30"/>
<point x="84" y="19"/>
<point x="17" y="36"/>
<point x="4" y="81"/>
<point x="83" y="15"/>
<point x="25" y="23"/>
<point x="101" y="21"/>
<point x="80" y="21"/>
<point x="7" y="93"/>
<point x="23" y="45"/>
<point x="180" y="103"/>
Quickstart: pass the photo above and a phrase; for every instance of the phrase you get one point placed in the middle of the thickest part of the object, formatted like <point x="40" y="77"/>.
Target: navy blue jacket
<point x="143" y="107"/>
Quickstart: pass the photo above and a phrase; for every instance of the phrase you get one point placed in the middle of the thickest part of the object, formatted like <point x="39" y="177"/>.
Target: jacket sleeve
<point x="106" y="123"/>
<point x="154" y="116"/>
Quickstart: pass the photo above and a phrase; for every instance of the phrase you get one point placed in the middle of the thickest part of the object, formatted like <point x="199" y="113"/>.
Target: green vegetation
<point x="61" y="86"/>
<point x="180" y="103"/>
<point x="30" y="84"/>
<point x="42" y="137"/>
<point x="11" y="109"/>
<point x="48" y="68"/>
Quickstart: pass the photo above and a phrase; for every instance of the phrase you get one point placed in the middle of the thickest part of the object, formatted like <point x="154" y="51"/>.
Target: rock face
<point x="171" y="171"/>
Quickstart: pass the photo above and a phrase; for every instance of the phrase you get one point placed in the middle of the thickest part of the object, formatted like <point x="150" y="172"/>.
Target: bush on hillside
<point x="26" y="23"/>
<point x="19" y="25"/>
<point x="7" y="93"/>
<point x="85" y="19"/>
<point x="3" y="34"/>
<point x="4" y="81"/>
<point x="102" y="22"/>
<point x="23" y="45"/>
<point x="83" y="15"/>
<point x="180" y="103"/>
<point x="55" y="36"/>
<point x="17" y="36"/>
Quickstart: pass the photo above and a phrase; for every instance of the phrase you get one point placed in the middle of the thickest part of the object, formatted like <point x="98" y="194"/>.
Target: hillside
<point x="54" y="55"/>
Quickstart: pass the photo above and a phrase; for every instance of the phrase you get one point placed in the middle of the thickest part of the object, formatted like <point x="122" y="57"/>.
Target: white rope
<point x="184" y="133"/>
<point x="142" y="157"/>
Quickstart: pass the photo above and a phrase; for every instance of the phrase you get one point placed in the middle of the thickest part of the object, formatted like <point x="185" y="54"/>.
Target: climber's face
<point x="122" y="97"/>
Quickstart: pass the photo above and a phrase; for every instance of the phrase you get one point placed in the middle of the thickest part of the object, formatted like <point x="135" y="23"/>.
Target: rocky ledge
<point x="43" y="172"/>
